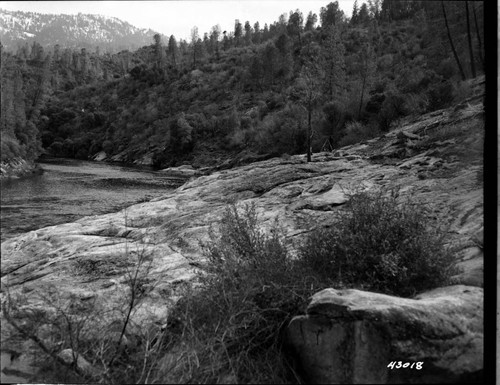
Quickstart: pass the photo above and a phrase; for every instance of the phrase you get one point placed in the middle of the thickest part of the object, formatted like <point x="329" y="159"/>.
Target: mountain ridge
<point x="70" y="31"/>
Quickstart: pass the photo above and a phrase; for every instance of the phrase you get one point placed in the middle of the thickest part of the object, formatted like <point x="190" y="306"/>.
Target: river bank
<point x="18" y="168"/>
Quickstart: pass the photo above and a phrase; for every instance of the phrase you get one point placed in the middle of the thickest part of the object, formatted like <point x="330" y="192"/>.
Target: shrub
<point x="391" y="109"/>
<point x="229" y="326"/>
<point x="356" y="132"/>
<point x="440" y="95"/>
<point x="380" y="244"/>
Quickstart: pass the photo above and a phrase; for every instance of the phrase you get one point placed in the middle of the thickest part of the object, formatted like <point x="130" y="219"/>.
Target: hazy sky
<point x="178" y="17"/>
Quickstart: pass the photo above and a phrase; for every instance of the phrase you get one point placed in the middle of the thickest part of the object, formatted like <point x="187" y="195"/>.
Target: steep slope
<point x="90" y="31"/>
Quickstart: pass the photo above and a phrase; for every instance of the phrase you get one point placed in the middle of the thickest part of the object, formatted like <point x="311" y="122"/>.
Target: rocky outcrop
<point x="184" y="171"/>
<point x="18" y="167"/>
<point x="357" y="337"/>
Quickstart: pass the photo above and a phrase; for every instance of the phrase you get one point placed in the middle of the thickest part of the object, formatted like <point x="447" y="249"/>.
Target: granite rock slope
<point x="435" y="159"/>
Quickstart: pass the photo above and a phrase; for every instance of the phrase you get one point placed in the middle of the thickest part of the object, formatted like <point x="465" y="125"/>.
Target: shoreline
<point x="19" y="168"/>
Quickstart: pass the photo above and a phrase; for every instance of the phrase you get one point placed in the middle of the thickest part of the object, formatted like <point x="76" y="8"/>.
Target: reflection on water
<point x="70" y="189"/>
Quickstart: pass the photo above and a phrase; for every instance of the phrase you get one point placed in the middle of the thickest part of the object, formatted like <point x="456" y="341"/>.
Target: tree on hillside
<point x="455" y="55"/>
<point x="248" y="33"/>
<point x="331" y="15"/>
<point x="307" y="88"/>
<point x="238" y="32"/>
<point x="257" y="34"/>
<point x="284" y="47"/>
<point x="469" y="39"/>
<point x="214" y="39"/>
<point x="374" y="8"/>
<point x="159" y="53"/>
<point x="172" y="49"/>
<point x="354" y="16"/>
<point x="332" y="61"/>
<point x="295" y="25"/>
<point x="311" y="21"/>
<point x="194" y="43"/>
<point x="270" y="61"/>
<point x="363" y="17"/>
<point x="478" y="35"/>
<point x="367" y="71"/>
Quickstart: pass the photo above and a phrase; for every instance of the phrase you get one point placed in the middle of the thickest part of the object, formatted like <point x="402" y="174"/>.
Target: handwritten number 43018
<point x="404" y="365"/>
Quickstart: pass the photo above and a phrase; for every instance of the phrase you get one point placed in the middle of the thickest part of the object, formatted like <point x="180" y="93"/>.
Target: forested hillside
<point x="254" y="92"/>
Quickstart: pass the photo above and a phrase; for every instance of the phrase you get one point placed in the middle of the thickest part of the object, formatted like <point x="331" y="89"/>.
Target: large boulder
<point x="353" y="336"/>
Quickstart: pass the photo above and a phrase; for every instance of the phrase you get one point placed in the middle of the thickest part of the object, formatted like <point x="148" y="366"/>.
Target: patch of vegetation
<point x="229" y="325"/>
<point x="381" y="244"/>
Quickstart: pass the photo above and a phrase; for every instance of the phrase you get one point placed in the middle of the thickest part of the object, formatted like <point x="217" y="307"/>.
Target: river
<point x="70" y="189"/>
<point x="66" y="191"/>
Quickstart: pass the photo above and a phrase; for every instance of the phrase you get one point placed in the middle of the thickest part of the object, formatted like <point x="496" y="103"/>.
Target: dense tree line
<point x="294" y="86"/>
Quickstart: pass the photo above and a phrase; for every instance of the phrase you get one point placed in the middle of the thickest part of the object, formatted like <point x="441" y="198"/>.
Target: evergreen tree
<point x="363" y="15"/>
<point x="257" y="34"/>
<point x="238" y="32"/>
<point x="172" y="49"/>
<point x="194" y="44"/>
<point x="248" y="33"/>
<point x="311" y="21"/>
<point x="295" y="25"/>
<point x="332" y="60"/>
<point x="367" y="71"/>
<point x="355" y="10"/>
<point x="214" y="39"/>
<point x="331" y="15"/>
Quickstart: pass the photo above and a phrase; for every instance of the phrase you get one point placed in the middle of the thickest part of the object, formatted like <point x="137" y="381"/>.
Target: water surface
<point x="71" y="189"/>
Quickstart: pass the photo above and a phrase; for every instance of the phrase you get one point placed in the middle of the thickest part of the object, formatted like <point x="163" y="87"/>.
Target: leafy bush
<point x="380" y="244"/>
<point x="391" y="109"/>
<point x="229" y="327"/>
<point x="440" y="95"/>
<point x="10" y="147"/>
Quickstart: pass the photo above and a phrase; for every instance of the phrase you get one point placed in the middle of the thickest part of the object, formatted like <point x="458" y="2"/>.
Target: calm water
<point x="70" y="189"/>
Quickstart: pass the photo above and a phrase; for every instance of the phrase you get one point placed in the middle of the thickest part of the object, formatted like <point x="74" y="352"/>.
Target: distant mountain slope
<point x="70" y="31"/>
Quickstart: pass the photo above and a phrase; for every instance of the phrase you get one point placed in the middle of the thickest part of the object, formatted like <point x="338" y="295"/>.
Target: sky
<point x="179" y="17"/>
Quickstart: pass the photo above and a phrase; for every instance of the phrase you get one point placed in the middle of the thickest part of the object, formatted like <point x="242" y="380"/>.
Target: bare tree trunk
<point x="481" y="55"/>
<point x="362" y="92"/>
<point x="309" y="131"/>
<point x="462" y="73"/>
<point x="469" y="38"/>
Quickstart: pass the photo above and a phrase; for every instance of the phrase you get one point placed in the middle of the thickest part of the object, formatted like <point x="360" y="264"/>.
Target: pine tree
<point x="257" y="34"/>
<point x="368" y="68"/>
<point x="237" y="32"/>
<point x="194" y="43"/>
<point x="355" y="10"/>
<point x="295" y="25"/>
<point x="311" y="21"/>
<point x="248" y="33"/>
<point x="172" y="49"/>
<point x="332" y="59"/>
<point x="331" y="15"/>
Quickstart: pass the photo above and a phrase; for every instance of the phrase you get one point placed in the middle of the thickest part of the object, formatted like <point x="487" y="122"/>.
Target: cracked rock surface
<point x="351" y="336"/>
